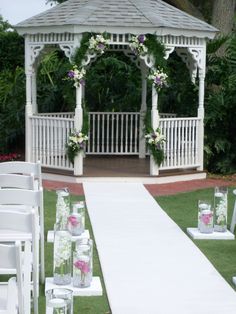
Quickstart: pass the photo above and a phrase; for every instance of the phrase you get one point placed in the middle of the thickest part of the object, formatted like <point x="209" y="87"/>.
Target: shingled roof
<point x="112" y="13"/>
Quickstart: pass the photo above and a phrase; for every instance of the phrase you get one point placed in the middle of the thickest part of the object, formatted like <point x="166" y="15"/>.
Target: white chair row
<point x="22" y="219"/>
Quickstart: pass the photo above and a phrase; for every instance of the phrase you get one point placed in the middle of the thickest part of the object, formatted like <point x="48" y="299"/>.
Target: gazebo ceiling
<point x="123" y="16"/>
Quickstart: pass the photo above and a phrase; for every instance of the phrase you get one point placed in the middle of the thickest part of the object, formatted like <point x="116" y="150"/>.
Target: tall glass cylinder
<point x="62" y="256"/>
<point x="59" y="301"/>
<point x="62" y="206"/>
<point x="221" y="207"/>
<point x="205" y="217"/>
<point x="76" y="220"/>
<point x="83" y="263"/>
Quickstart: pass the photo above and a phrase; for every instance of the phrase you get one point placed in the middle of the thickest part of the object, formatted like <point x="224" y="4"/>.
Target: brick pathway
<point x="154" y="189"/>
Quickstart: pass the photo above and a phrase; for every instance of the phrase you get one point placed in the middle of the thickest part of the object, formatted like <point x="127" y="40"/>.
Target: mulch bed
<point x="155" y="189"/>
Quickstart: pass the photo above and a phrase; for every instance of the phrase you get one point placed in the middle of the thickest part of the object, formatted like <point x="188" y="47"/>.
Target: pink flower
<point x="206" y="218"/>
<point x="83" y="266"/>
<point x="73" y="221"/>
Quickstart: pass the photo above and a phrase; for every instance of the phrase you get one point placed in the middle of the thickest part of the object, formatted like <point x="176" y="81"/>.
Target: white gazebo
<point x="115" y="133"/>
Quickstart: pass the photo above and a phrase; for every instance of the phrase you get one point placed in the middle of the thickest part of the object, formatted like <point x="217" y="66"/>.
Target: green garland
<point x="84" y="47"/>
<point x="157" y="50"/>
<point x="157" y="154"/>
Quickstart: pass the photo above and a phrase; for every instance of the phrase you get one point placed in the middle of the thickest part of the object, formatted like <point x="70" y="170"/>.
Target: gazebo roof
<point x="126" y="15"/>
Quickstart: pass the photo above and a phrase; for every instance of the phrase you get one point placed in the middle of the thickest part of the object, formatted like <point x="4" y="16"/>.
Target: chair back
<point x="16" y="181"/>
<point x="21" y="197"/>
<point x="23" y="167"/>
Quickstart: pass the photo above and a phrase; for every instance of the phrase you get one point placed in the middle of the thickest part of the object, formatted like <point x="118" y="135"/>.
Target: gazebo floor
<point x="124" y="167"/>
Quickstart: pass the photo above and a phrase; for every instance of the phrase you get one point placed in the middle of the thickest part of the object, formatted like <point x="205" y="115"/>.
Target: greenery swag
<point x="76" y="143"/>
<point x="154" y="142"/>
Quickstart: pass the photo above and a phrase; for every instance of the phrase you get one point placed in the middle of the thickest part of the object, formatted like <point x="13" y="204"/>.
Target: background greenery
<point x="113" y="83"/>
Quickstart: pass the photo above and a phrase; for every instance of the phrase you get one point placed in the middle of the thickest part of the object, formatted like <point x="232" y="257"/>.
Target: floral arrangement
<point x="137" y="45"/>
<point x="77" y="75"/>
<point x="154" y="142"/>
<point x="82" y="269"/>
<point x="76" y="143"/>
<point x="9" y="157"/>
<point x="158" y="78"/>
<point x="221" y="209"/>
<point x="98" y="44"/>
<point x="62" y="257"/>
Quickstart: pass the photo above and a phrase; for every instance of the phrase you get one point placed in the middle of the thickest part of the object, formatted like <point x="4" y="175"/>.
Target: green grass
<point x="182" y="208"/>
<point x="82" y="305"/>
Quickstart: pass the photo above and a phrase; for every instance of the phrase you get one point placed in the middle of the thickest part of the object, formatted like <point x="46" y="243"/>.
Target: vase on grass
<point x="76" y="220"/>
<point x="62" y="255"/>
<point x="62" y="206"/>
<point x="83" y="263"/>
<point x="221" y="207"/>
<point x="59" y="301"/>
<point x="205" y="217"/>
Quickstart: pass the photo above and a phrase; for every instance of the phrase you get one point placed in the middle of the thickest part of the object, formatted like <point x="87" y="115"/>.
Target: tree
<point x="223" y="15"/>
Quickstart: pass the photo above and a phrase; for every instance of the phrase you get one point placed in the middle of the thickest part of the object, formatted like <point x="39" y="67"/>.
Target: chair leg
<point x="27" y="279"/>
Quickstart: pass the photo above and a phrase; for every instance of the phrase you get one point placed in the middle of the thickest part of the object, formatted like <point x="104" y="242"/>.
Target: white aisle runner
<point x="149" y="265"/>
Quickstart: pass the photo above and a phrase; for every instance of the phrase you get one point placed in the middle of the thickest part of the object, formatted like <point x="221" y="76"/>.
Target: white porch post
<point x="78" y="161"/>
<point x="28" y="107"/>
<point x="34" y="91"/>
<point x="154" y="169"/>
<point x="143" y="110"/>
<point x="201" y="123"/>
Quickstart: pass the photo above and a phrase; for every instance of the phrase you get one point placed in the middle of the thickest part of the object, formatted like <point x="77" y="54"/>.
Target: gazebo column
<point x="201" y="122"/>
<point x="154" y="169"/>
<point x="143" y="110"/>
<point x="78" y="161"/>
<point x="34" y="91"/>
<point x="28" y="114"/>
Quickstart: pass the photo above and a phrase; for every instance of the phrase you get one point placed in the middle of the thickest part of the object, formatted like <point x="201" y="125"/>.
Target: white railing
<point x="68" y="115"/>
<point x="181" y="146"/>
<point x="49" y="136"/>
<point x="113" y="133"/>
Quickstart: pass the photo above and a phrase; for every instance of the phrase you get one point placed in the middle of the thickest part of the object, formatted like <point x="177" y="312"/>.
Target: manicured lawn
<point x="182" y="208"/>
<point x="82" y="305"/>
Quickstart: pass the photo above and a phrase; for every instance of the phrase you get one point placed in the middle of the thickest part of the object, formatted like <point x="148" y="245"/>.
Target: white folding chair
<point x="12" y="292"/>
<point x="23" y="226"/>
<point x="23" y="167"/>
<point x="28" y="199"/>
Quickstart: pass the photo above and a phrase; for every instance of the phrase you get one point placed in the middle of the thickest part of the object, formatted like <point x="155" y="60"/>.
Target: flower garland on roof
<point x="90" y="44"/>
<point x="143" y="44"/>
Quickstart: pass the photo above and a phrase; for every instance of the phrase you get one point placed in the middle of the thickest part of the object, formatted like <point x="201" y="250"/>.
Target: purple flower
<point x="158" y="80"/>
<point x="101" y="46"/>
<point x="71" y="74"/>
<point x="82" y="82"/>
<point x="141" y="39"/>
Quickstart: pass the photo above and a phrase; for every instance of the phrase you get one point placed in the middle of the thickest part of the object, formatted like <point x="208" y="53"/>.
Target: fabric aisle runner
<point x="149" y="264"/>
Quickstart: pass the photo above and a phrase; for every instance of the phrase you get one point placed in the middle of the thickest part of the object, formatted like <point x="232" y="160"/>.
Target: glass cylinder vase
<point x="62" y="206"/>
<point x="62" y="255"/>
<point x="59" y="301"/>
<point x="205" y="217"/>
<point x="76" y="220"/>
<point x="83" y="263"/>
<point x="221" y="207"/>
